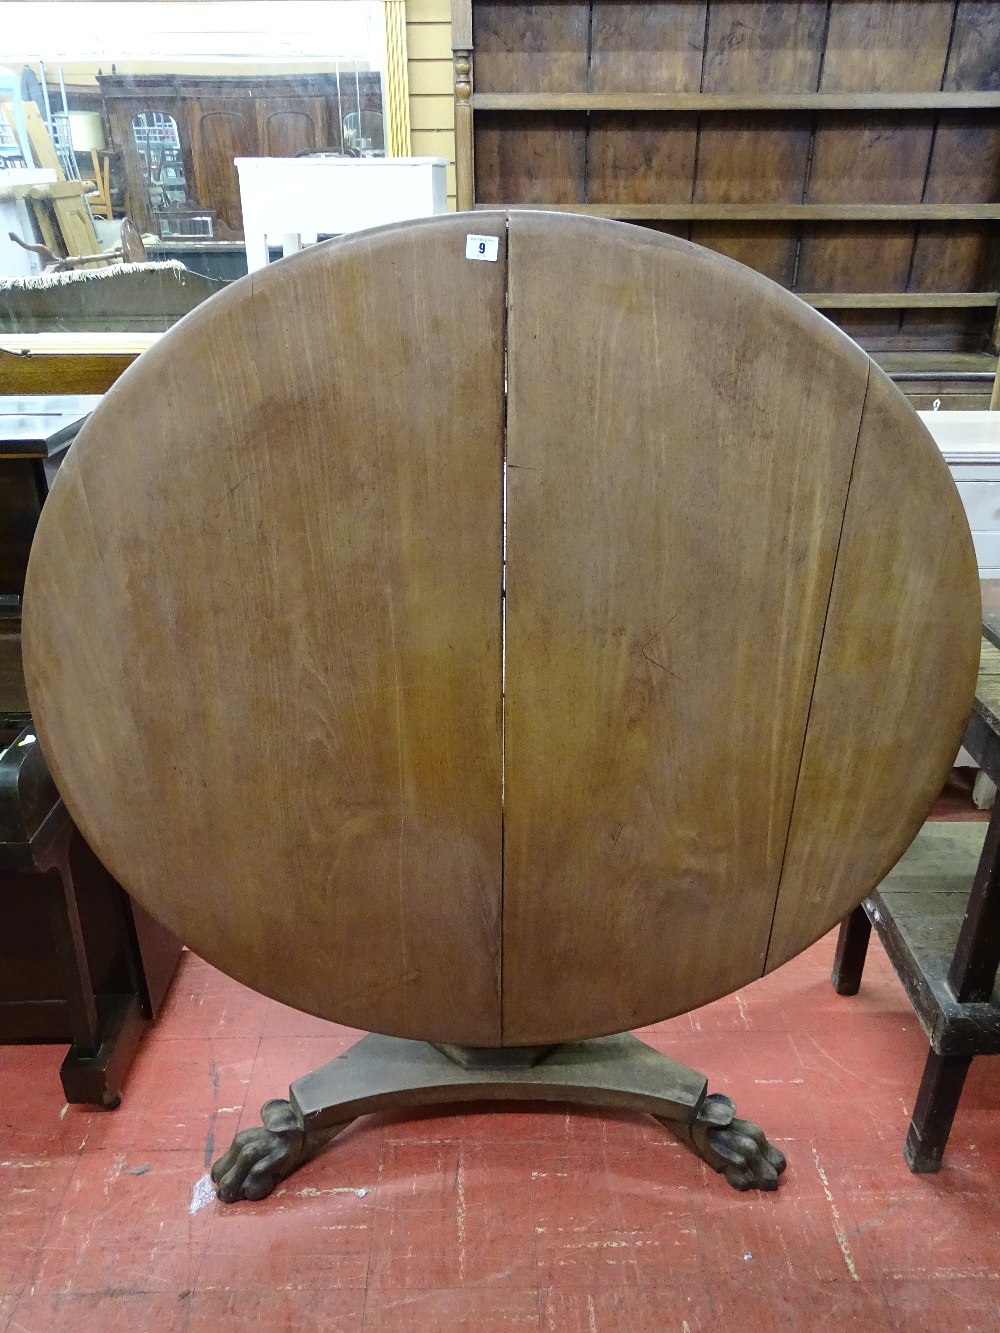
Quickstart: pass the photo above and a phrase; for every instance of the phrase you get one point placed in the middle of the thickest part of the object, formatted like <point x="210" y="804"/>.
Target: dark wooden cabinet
<point x="220" y="133"/>
<point x="290" y="125"/>
<point x="179" y="135"/>
<point x="79" y="961"/>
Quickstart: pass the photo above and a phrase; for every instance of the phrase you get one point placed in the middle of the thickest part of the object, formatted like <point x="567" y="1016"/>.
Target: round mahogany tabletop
<point x="501" y="644"/>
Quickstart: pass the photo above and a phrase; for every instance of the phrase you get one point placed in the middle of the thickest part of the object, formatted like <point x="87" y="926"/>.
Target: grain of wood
<point x="531" y="45"/>
<point x="874" y="44"/>
<point x="646" y="48"/>
<point x="643" y="70"/>
<point x="42" y="147"/>
<point x="763" y="46"/>
<point x="531" y="159"/>
<point x="526" y="160"/>
<point x="76" y="225"/>
<point x="41" y="211"/>
<point x="755" y="99"/>
<point x="263" y="629"/>
<point x="881" y="162"/>
<point x="659" y="48"/>
<point x="871" y="45"/>
<point x="282" y="533"/>
<point x="220" y="133"/>
<point x="900" y="300"/>
<point x="62" y="372"/>
<point x="904" y="614"/>
<point x="744" y="160"/>
<point x="777" y="212"/>
<point x="964" y="164"/>
<point x="668" y="572"/>
<point x="639" y="159"/>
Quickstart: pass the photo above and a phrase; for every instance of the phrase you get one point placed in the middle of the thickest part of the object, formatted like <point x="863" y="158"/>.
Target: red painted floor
<point x="560" y="1220"/>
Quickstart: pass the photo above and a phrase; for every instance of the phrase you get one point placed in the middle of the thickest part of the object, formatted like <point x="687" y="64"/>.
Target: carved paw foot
<point x="738" y="1148"/>
<point x="260" y="1157"/>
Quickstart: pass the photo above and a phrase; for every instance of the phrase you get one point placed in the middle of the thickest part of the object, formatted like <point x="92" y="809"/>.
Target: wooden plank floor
<point x="565" y="1220"/>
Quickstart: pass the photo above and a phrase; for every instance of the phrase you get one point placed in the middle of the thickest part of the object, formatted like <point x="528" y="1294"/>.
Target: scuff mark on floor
<point x="838" y="1226"/>
<point x="202" y="1194"/>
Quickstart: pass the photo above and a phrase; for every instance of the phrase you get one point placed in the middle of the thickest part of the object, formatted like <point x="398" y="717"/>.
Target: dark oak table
<point x="937" y="914"/>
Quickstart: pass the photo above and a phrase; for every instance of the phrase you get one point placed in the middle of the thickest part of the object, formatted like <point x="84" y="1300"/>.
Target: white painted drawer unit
<point x="970" y="443"/>
<point x="292" y="200"/>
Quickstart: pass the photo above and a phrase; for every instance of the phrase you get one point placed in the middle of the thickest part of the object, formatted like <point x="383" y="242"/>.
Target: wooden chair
<point x="100" y="198"/>
<point x="498" y="609"/>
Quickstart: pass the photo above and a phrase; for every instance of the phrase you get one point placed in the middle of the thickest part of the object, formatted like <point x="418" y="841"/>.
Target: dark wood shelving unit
<point x="850" y="151"/>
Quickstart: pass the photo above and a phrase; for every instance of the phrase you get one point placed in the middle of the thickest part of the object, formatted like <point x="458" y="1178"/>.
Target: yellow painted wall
<point x="429" y="69"/>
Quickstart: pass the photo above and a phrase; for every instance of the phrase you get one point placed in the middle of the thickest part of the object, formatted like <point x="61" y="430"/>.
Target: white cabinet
<point x="970" y="443"/>
<point x="289" y="201"/>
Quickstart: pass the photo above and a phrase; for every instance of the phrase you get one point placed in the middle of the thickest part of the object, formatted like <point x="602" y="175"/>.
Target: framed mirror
<point x="137" y="110"/>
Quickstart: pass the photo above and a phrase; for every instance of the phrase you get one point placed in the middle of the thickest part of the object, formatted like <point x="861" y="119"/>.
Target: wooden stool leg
<point x="937" y="1102"/>
<point x="852" y="948"/>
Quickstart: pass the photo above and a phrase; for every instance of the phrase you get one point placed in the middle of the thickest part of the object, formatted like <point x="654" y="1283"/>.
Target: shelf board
<point x="899" y="300"/>
<point x="773" y="212"/>
<point x="961" y="366"/>
<point x="696" y="102"/>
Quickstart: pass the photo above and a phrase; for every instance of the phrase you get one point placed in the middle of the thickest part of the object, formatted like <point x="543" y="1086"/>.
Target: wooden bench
<point x="937" y="914"/>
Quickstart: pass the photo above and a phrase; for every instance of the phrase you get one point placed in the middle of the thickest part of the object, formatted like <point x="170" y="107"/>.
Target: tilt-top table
<point x="479" y="631"/>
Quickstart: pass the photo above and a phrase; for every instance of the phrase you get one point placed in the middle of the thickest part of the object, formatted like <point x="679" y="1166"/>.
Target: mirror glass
<point x="157" y="144"/>
<point x="120" y="127"/>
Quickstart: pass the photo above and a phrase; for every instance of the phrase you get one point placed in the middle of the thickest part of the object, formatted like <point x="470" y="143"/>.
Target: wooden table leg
<point x="937" y="1102"/>
<point x="852" y="949"/>
<point x="387" y="1073"/>
<point x="973" y="971"/>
